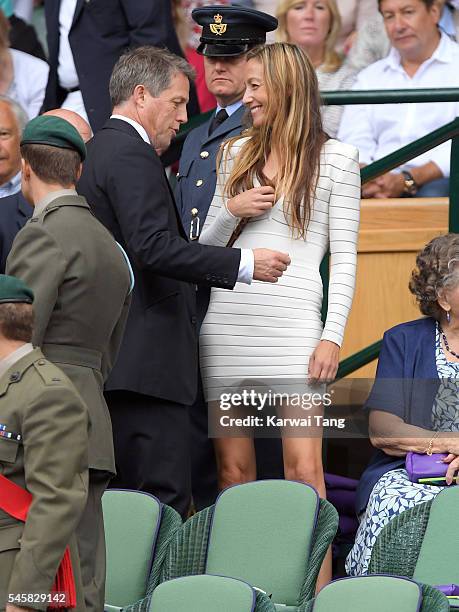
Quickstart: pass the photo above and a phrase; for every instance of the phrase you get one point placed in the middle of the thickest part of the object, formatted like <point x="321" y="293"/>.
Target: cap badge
<point x="218" y="28"/>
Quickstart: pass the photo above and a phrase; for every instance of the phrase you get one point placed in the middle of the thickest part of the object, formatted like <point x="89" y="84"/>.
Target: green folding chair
<point x="207" y="594"/>
<point x="272" y="534"/>
<point x="378" y="594"/>
<point x="138" y="529"/>
<point x="422" y="543"/>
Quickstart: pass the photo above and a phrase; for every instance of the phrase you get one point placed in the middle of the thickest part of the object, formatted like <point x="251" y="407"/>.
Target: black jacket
<point x="101" y="31"/>
<point x="124" y="182"/>
<point x="15" y="211"/>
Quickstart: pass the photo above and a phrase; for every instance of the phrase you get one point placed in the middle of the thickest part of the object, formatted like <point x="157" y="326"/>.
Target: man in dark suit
<point x="86" y="38"/>
<point x="155" y="376"/>
<point x="224" y="65"/>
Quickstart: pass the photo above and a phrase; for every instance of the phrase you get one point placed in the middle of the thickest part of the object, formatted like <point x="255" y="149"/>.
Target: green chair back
<point x="131" y="520"/>
<point x="438" y="558"/>
<point x="375" y="593"/>
<point x="203" y="594"/>
<point x="262" y="533"/>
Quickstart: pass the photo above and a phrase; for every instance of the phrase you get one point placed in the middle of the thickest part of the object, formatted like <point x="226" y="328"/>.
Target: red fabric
<point x="16" y="501"/>
<point x="206" y="100"/>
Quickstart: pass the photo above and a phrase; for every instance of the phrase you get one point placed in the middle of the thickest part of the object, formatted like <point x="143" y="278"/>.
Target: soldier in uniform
<point x="43" y="454"/>
<point x="228" y="33"/>
<point x="81" y="281"/>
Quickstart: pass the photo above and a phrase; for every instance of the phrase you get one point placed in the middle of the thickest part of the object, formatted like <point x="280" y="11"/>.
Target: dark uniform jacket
<point x="15" y="211"/>
<point x="40" y="404"/>
<point x="101" y="31"/>
<point x="81" y="284"/>
<point x="197" y="175"/>
<point x="124" y="180"/>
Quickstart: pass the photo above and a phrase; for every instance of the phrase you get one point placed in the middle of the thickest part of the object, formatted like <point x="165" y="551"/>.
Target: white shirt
<point x="247" y="263"/>
<point x="377" y="130"/>
<point x="66" y="70"/>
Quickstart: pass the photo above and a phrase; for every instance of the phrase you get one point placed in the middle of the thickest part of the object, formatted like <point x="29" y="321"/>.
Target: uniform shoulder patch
<point x="48" y="372"/>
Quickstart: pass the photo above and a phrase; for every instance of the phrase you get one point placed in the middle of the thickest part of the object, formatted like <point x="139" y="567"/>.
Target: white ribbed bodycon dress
<point x="268" y="331"/>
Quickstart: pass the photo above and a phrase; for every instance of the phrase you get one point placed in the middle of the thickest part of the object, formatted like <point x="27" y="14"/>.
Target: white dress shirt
<point x="247" y="263"/>
<point x="377" y="130"/>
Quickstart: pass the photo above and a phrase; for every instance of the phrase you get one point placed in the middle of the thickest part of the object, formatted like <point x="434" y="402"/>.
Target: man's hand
<point x="269" y="265"/>
<point x="389" y="185"/>
<point x="251" y="203"/>
<point x="13" y="608"/>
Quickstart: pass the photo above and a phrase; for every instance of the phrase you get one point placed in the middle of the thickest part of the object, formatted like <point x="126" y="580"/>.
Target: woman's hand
<point x="453" y="467"/>
<point x="251" y="203"/>
<point x="323" y="363"/>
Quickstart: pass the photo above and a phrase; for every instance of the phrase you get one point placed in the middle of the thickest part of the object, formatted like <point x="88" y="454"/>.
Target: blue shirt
<point x="11" y="187"/>
<point x="231" y="108"/>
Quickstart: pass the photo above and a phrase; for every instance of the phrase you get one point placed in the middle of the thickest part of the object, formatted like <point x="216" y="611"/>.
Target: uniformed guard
<point x="81" y="281"/>
<point x="228" y="32"/>
<point x="43" y="466"/>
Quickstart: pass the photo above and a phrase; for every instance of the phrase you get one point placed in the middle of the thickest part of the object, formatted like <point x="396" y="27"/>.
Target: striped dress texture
<point x="267" y="331"/>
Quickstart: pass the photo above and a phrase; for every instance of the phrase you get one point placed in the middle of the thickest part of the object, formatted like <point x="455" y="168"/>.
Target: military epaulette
<point x="48" y="372"/>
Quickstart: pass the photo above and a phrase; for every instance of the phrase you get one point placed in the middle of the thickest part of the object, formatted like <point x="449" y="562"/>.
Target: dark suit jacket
<point x="14" y="213"/>
<point x="125" y="184"/>
<point x="101" y="31"/>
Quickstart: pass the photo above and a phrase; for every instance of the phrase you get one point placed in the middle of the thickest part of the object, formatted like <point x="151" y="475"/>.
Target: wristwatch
<point x="411" y="187"/>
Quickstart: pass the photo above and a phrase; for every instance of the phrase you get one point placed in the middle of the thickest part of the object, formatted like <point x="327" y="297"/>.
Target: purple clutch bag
<point x="450" y="590"/>
<point x="421" y="466"/>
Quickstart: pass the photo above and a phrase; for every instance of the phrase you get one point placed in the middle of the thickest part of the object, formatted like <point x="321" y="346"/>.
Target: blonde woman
<point x="301" y="192"/>
<point x="315" y="26"/>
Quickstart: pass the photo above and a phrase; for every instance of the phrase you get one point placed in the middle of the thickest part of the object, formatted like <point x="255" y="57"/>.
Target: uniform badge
<point x="218" y="28"/>
<point x="9" y="435"/>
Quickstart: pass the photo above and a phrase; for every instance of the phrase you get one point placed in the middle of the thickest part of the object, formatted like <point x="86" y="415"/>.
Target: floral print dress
<point x="394" y="492"/>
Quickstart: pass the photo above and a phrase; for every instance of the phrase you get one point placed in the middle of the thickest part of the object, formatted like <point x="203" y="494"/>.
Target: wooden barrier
<point x="392" y="232"/>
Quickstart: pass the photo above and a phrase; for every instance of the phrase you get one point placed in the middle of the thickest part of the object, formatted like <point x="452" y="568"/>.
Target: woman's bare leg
<point x="236" y="461"/>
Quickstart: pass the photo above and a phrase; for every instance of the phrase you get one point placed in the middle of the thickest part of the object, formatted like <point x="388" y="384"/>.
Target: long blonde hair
<point x="332" y="59"/>
<point x="293" y="129"/>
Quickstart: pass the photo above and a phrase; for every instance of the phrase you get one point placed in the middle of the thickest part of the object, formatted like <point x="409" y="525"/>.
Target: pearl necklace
<point x="443" y="335"/>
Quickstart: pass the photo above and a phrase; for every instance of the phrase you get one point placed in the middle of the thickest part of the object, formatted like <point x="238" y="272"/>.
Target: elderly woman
<point x="315" y="26"/>
<point x="23" y="77"/>
<point x="414" y="402"/>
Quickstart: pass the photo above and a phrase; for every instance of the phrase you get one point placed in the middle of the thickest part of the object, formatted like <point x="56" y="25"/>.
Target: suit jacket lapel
<point x="118" y="124"/>
<point x="232" y="123"/>
<point x="78" y="8"/>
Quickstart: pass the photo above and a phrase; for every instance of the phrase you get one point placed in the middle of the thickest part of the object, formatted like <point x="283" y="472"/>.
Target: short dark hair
<point x="428" y="3"/>
<point x="16" y="321"/>
<point x="52" y="164"/>
<point x="148" y="66"/>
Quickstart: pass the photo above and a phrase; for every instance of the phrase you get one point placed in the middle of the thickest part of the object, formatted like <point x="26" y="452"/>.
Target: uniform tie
<point x="219" y="118"/>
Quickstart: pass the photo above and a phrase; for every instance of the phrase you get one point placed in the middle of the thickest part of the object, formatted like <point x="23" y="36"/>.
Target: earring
<point x="448" y="316"/>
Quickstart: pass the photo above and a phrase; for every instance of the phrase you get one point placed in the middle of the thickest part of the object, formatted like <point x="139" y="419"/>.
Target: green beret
<point x="13" y="289"/>
<point x="55" y="132"/>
